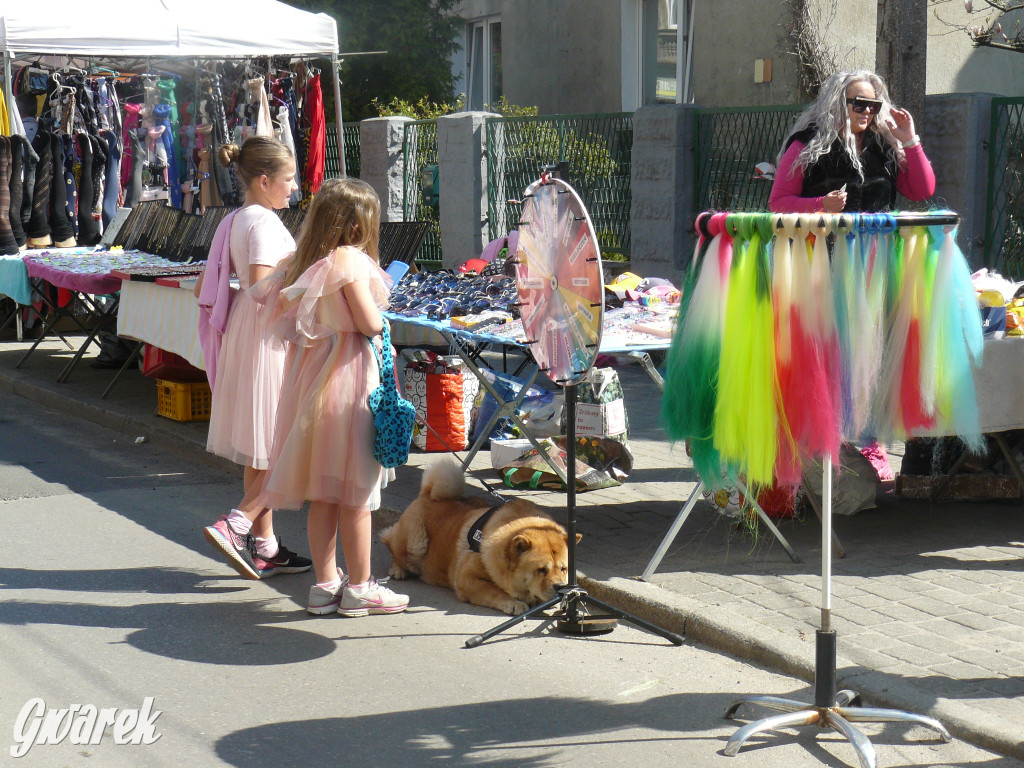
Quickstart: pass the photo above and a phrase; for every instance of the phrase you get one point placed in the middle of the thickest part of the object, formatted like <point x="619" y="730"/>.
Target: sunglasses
<point x="860" y="105"/>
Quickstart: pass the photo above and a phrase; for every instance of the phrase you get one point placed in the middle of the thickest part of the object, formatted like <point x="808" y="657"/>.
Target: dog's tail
<point x="443" y="480"/>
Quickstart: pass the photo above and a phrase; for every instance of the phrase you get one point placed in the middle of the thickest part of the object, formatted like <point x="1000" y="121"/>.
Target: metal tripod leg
<point x="673" y="531"/>
<point x="785" y="720"/>
<point x="476" y="640"/>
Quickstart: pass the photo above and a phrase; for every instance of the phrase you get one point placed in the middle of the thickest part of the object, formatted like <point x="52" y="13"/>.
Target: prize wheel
<point x="558" y="274"/>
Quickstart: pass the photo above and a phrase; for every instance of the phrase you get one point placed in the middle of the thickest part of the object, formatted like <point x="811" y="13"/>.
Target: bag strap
<point x="385" y="343"/>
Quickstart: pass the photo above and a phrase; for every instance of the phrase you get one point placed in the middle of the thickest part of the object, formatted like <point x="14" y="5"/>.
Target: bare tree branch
<point x="989" y="32"/>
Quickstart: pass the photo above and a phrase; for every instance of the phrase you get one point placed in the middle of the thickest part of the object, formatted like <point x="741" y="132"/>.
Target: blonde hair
<point x="831" y="120"/>
<point x="343" y="212"/>
<point x="258" y="156"/>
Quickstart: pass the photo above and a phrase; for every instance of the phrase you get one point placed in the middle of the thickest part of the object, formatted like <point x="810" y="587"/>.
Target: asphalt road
<point x="111" y="596"/>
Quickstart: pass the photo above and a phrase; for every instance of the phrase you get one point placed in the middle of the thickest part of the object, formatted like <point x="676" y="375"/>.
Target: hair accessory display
<point x="799" y="331"/>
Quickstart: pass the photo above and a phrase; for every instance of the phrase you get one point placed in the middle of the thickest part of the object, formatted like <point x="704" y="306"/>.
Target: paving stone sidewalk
<point x="928" y="603"/>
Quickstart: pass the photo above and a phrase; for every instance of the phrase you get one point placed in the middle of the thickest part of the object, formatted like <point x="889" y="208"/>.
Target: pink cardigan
<point x="215" y="297"/>
<point x="915" y="181"/>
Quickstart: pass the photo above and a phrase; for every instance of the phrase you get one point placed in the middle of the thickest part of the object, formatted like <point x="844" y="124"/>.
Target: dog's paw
<point x="397" y="572"/>
<point x="515" y="607"/>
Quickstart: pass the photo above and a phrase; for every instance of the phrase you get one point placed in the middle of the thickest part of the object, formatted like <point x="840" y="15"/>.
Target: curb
<point x="693" y="620"/>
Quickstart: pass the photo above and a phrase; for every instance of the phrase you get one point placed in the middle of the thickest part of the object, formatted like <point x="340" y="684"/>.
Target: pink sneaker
<point x="879" y="460"/>
<point x="239" y="549"/>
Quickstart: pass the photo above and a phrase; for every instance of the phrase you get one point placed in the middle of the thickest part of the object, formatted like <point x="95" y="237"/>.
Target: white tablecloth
<point x="164" y="316"/>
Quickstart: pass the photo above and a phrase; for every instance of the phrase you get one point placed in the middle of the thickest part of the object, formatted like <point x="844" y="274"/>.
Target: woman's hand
<point x="901" y="124"/>
<point x="835" y="201"/>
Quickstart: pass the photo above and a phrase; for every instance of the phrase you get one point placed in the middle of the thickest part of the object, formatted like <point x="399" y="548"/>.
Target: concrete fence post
<point x="956" y="130"/>
<point x="462" y="185"/>
<point x="662" y="211"/>
<point x="382" y="163"/>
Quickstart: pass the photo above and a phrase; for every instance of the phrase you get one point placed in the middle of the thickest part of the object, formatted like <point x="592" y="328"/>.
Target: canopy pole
<point x="8" y="95"/>
<point x="335" y="65"/>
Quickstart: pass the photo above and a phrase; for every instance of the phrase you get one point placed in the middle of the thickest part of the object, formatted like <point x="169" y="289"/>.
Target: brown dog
<point x="523" y="553"/>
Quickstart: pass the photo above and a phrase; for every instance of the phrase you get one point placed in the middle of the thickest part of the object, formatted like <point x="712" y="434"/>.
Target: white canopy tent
<point x="168" y="29"/>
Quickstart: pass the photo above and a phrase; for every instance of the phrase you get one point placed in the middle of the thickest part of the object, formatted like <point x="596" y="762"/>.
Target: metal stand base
<point x="831" y="710"/>
<point x="574" y="619"/>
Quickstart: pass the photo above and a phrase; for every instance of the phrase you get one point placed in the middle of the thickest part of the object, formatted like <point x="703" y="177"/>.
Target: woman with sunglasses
<point x="851" y="150"/>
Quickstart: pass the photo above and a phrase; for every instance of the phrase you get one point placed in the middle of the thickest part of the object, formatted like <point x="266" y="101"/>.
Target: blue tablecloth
<point x="14" y="279"/>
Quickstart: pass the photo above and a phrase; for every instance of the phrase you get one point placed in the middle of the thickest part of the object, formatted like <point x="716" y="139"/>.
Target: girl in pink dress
<point x="243" y="362"/>
<point x="326" y="299"/>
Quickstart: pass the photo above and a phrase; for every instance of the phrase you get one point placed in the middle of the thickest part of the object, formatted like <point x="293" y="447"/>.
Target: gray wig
<point x="831" y="120"/>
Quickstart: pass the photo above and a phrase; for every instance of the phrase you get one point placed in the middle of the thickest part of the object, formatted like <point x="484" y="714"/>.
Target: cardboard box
<point x="504" y="451"/>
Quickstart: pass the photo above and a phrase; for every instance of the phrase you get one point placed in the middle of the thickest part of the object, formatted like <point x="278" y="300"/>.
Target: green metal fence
<point x="1004" y="212"/>
<point x="730" y="142"/>
<point x="597" y="150"/>
<point x="332" y="166"/>
<point x="419" y="148"/>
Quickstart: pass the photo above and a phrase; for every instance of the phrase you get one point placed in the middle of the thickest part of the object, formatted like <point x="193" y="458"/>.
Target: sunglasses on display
<point x="860" y="105"/>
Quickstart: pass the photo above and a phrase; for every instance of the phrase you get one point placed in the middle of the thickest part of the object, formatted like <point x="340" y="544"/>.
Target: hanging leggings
<point x="29" y="185"/>
<point x="134" y="193"/>
<point x="8" y="245"/>
<point x="111" y="185"/>
<point x="88" y="232"/>
<point x="17" y="187"/>
<point x="99" y="172"/>
<point x="60" y="224"/>
<point x="38" y="227"/>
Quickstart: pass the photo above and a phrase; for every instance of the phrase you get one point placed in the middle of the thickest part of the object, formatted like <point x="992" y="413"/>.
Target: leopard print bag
<point x="393" y="416"/>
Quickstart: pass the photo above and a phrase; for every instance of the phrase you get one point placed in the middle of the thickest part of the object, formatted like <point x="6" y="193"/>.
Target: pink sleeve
<point x="916" y="180"/>
<point x="789" y="182"/>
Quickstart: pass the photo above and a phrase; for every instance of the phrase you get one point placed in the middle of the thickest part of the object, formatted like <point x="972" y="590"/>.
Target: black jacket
<point x="878" y="190"/>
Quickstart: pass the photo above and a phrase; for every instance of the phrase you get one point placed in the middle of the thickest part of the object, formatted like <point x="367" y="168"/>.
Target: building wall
<point x="561" y="56"/>
<point x="956" y="66"/>
<point x="728" y="37"/>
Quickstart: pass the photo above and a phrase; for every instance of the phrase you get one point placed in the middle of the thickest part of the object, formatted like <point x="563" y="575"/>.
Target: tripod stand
<point x="573" y="617"/>
<point x="830" y="709"/>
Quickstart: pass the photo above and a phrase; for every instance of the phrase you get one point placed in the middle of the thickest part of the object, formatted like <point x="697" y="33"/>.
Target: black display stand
<point x="573" y="616"/>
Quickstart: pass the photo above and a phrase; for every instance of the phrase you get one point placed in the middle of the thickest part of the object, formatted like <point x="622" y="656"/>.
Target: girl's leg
<point x="323" y="540"/>
<point x="355" y="527"/>
<point x="262" y="518"/>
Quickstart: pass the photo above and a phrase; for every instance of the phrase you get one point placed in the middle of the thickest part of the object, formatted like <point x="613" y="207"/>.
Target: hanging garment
<point x="317" y="153"/>
<point x="17" y="188"/>
<point x="168" y="151"/>
<point x="29" y="185"/>
<point x="209" y="194"/>
<point x="133" y="191"/>
<point x="88" y="231"/>
<point x="8" y="245"/>
<point x="132" y="120"/>
<point x="256" y="97"/>
<point x="38" y="228"/>
<point x="62" y="196"/>
<point x="283" y="132"/>
<point x="112" y="179"/>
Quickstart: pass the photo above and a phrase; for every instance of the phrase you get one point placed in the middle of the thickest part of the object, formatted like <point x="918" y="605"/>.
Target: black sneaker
<point x="239" y="549"/>
<point x="285" y="561"/>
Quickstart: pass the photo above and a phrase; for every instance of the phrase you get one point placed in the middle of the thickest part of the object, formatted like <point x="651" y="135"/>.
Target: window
<point x="483" y="63"/>
<point x="659" y="51"/>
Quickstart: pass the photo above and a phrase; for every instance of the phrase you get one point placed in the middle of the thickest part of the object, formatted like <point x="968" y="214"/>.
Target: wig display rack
<point x="561" y="294"/>
<point x="832" y="709"/>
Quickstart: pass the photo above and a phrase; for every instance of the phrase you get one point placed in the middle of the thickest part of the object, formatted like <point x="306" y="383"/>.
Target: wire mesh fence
<point x="596" y="153"/>
<point x="730" y="142"/>
<point x="332" y="163"/>
<point x="419" y="148"/>
<point x="1004" y="214"/>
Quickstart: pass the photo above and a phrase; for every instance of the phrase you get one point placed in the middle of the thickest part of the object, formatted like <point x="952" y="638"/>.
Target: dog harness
<point x="476" y="530"/>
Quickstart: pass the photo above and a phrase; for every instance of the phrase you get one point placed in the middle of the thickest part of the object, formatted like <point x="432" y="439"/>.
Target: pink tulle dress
<point x="324" y="445"/>
<point x="251" y="363"/>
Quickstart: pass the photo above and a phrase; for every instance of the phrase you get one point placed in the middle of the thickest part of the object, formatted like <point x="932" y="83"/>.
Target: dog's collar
<point x="476" y="530"/>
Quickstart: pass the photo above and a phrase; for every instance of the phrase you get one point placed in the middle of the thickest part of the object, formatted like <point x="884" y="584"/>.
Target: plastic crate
<point x="183" y="400"/>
